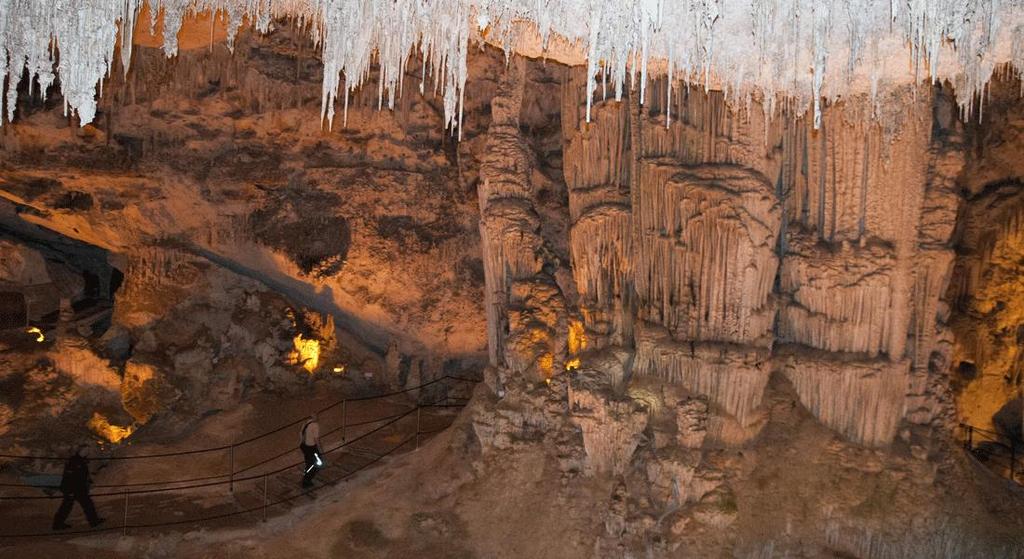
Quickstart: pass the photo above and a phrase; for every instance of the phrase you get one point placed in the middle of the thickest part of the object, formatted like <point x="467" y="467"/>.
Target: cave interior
<point x="580" y="319"/>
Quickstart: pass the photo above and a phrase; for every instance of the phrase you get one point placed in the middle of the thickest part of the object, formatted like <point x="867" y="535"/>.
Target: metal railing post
<point x="344" y="418"/>
<point x="231" y="474"/>
<point x="124" y="524"/>
<point x="418" y="408"/>
<point x="265" y="497"/>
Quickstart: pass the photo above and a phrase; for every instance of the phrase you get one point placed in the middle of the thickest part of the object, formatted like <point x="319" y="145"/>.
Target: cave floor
<point x="795" y="484"/>
<point x="368" y="440"/>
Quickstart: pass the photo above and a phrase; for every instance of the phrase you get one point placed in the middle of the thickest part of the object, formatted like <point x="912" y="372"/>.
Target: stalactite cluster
<point x="859" y="47"/>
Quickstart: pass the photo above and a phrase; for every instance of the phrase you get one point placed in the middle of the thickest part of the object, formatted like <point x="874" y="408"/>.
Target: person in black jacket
<point x="309" y="444"/>
<point x="74" y="484"/>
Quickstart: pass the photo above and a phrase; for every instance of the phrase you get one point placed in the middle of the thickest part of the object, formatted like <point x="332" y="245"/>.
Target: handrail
<point x="209" y="518"/>
<point x="389" y="420"/>
<point x="1015" y="461"/>
<point x="176" y="482"/>
<point x="202" y="485"/>
<point x="244" y="441"/>
<point x="191" y="482"/>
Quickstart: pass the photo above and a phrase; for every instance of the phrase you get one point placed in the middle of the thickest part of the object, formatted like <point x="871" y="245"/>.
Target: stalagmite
<point x="526" y="315"/>
<point x="611" y="427"/>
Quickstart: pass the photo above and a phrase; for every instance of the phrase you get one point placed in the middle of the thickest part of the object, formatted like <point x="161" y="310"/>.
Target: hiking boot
<point x="97" y="523"/>
<point x="61" y="526"/>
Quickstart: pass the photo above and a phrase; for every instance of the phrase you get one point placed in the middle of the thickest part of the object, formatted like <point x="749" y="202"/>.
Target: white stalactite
<point x="749" y="47"/>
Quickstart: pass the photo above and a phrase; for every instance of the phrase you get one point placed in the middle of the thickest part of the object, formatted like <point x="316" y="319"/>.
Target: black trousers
<point x="83" y="500"/>
<point x="309" y="453"/>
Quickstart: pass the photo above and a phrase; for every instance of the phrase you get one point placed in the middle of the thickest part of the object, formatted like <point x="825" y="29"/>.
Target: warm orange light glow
<point x="39" y="334"/>
<point x="577" y="338"/>
<point x="546" y="363"/>
<point x="112" y="433"/>
<point x="309" y="352"/>
<point x="577" y="343"/>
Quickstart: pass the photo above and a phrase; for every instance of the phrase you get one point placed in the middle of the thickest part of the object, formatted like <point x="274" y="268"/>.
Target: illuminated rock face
<point x="526" y="316"/>
<point x="989" y="293"/>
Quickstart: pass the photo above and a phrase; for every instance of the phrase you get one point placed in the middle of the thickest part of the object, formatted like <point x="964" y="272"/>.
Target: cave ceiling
<point x="801" y="52"/>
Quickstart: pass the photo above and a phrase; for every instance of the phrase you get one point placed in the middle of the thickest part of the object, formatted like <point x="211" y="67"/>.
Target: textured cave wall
<point x="237" y="220"/>
<point x="729" y="243"/>
<point x="525" y="305"/>
<point x="987" y="292"/>
<point x="222" y="153"/>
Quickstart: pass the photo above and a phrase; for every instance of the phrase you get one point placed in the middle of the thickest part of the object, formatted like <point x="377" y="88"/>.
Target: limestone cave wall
<point x="987" y="290"/>
<point x="720" y="244"/>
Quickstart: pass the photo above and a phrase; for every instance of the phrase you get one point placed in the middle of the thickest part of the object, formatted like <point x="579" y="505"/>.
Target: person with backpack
<point x="74" y="484"/>
<point x="309" y="444"/>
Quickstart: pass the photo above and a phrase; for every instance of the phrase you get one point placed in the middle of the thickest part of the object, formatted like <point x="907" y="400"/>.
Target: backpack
<point x="302" y="436"/>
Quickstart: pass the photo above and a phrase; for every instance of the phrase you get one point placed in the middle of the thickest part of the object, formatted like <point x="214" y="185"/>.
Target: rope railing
<point x="249" y="439"/>
<point x="207" y="484"/>
<point x="975" y="438"/>
<point x="327" y="434"/>
<point x="203" y="478"/>
<point x="345" y="443"/>
<point x="262" y="507"/>
<point x="191" y="482"/>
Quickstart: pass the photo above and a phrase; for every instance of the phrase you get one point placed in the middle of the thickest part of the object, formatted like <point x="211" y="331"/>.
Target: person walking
<point x="309" y="444"/>
<point x="74" y="484"/>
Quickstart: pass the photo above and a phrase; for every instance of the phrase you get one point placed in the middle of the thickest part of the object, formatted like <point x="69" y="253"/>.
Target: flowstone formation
<point x="526" y="315"/>
<point x="729" y="238"/>
<point x="727" y="263"/>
